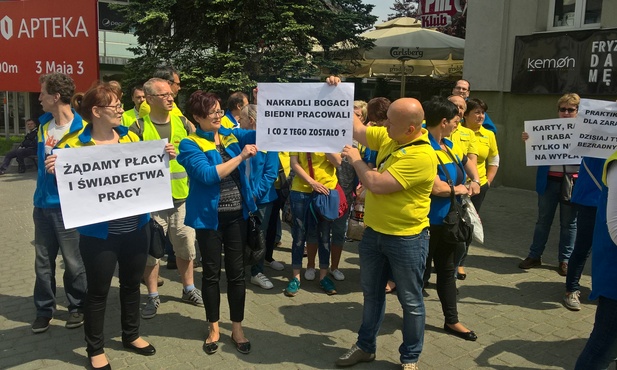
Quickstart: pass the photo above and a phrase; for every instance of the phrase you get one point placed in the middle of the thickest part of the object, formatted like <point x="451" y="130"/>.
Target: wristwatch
<point x="477" y="182"/>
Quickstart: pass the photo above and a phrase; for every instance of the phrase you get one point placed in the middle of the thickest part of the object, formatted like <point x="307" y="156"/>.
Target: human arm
<point x="171" y="150"/>
<point x="300" y="172"/>
<point x="269" y="174"/>
<point x="334" y="159"/>
<point x="50" y="164"/>
<point x="442" y="188"/>
<point x="377" y="183"/>
<point x="471" y="168"/>
<point x="491" y="171"/>
<point x="611" y="206"/>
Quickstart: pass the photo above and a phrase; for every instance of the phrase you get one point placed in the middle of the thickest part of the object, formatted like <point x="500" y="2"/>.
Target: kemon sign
<point x="44" y="36"/>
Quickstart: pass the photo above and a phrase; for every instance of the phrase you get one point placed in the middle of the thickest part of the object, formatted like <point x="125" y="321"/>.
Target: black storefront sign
<point x="109" y="19"/>
<point x="582" y="62"/>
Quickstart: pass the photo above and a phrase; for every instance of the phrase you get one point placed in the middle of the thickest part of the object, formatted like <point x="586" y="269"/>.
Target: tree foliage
<point x="404" y="8"/>
<point x="228" y="45"/>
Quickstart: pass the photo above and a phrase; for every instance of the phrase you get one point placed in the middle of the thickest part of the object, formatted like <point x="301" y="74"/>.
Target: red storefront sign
<point x="438" y="13"/>
<point x="44" y="36"/>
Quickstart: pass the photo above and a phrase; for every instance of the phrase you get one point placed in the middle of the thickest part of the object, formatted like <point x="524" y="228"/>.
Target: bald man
<point x="397" y="206"/>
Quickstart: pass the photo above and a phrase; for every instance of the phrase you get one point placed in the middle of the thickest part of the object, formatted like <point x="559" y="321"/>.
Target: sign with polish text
<point x="43" y="36"/>
<point x="304" y="117"/>
<point x="549" y="142"/>
<point x="595" y="134"/>
<point x="107" y="182"/>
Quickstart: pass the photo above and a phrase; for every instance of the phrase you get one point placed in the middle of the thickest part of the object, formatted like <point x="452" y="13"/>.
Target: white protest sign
<point x="595" y="134"/>
<point x="549" y="142"/>
<point x="106" y="182"/>
<point x="304" y="117"/>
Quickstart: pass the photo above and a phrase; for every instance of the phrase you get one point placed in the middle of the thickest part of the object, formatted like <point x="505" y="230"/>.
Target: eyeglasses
<point x="117" y="107"/>
<point x="219" y="112"/>
<point x="164" y="96"/>
<point x="569" y="110"/>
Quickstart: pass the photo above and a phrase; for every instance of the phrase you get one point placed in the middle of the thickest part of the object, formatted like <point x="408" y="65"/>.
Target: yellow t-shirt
<point x="284" y="159"/>
<point x="325" y="172"/>
<point x="144" y="110"/>
<point x="405" y="212"/>
<point x="487" y="147"/>
<point x="465" y="139"/>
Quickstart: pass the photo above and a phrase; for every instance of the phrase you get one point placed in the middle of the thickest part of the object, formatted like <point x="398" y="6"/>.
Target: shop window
<point x="568" y="14"/>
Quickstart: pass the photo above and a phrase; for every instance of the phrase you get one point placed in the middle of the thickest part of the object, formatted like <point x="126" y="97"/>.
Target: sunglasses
<point x="569" y="110"/>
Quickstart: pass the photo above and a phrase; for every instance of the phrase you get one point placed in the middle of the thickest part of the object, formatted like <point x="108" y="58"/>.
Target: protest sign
<point x="106" y="182"/>
<point x="595" y="134"/>
<point x="549" y="142"/>
<point x="304" y="117"/>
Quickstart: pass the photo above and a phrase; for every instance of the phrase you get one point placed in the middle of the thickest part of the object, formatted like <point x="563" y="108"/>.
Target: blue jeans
<point x="601" y="348"/>
<point x="263" y="213"/>
<point x="547" y="205"/>
<point x="50" y="236"/>
<point x="304" y="224"/>
<point x="582" y="246"/>
<point x="405" y="256"/>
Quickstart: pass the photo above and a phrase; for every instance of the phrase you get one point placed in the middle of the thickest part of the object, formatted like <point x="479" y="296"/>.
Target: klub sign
<point x="43" y="36"/>
<point x="439" y="13"/>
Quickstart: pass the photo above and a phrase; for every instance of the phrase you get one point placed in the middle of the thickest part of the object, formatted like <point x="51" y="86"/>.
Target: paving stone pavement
<point x="518" y="315"/>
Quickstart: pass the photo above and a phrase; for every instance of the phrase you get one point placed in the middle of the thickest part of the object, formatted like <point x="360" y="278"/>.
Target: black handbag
<point x="156" y="239"/>
<point x="255" y="248"/>
<point x="457" y="223"/>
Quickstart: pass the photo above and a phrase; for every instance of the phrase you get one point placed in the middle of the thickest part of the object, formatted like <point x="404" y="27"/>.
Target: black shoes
<point x="244" y="348"/>
<point x="470" y="335"/>
<point x="210" y="348"/>
<point x="148" y="350"/>
<point x="41" y="324"/>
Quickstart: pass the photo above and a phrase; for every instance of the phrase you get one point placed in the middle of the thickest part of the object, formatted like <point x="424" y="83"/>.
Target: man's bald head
<point x="460" y="104"/>
<point x="405" y="118"/>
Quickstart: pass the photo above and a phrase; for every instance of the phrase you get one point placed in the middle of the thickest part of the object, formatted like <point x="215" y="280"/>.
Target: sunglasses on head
<point x="569" y="110"/>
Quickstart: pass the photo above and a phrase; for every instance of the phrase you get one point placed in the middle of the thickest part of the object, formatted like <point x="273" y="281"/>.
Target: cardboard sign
<point x="304" y="117"/>
<point x="595" y="134"/>
<point x="549" y="142"/>
<point x="107" y="182"/>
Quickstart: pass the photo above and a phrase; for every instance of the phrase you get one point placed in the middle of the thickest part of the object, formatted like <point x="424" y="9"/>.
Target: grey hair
<point x="251" y="111"/>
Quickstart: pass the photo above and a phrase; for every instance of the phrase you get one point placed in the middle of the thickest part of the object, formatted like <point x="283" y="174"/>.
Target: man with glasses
<point x="172" y="77"/>
<point x="235" y="103"/>
<point x="50" y="236"/>
<point x="462" y="88"/>
<point x="162" y="124"/>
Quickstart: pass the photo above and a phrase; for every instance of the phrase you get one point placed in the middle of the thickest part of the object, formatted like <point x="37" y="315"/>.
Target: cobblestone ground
<point x="518" y="315"/>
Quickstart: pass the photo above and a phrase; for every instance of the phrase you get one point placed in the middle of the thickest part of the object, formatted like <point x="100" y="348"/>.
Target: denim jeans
<point x="405" y="257"/>
<point x="305" y="224"/>
<point x="263" y="213"/>
<point x="547" y="205"/>
<point x="585" y="222"/>
<point x="50" y="236"/>
<point x="601" y="348"/>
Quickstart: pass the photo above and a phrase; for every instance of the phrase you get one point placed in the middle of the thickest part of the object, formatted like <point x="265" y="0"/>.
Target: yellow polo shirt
<point x="487" y="147"/>
<point x="465" y="139"/>
<point x="404" y="212"/>
<point x="325" y="172"/>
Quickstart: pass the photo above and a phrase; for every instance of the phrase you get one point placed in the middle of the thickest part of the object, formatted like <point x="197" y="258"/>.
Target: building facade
<point x="522" y="55"/>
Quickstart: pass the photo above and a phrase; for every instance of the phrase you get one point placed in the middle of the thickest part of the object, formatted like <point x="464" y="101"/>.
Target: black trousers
<point x="442" y="250"/>
<point x="231" y="235"/>
<point x="129" y="251"/>
<point x="275" y="218"/>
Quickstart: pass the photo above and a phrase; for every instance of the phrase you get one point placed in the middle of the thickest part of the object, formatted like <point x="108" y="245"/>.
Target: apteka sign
<point x="44" y="36"/>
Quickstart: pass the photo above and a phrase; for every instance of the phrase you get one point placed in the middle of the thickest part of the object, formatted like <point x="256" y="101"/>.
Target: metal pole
<point x="403" y="78"/>
<point x="6" y="115"/>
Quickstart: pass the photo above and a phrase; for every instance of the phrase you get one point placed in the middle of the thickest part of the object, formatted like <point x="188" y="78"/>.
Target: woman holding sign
<point x="104" y="245"/>
<point x="548" y="186"/>
<point x="217" y="207"/>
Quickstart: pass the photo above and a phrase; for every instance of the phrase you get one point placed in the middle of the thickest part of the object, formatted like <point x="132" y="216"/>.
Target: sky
<point x="381" y="9"/>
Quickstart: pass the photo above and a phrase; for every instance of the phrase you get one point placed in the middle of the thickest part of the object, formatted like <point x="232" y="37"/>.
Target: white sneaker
<point x="275" y="265"/>
<point x="337" y="275"/>
<point x="309" y="274"/>
<point x="262" y="281"/>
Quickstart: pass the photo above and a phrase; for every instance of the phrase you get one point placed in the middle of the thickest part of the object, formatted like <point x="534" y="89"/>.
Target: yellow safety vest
<point x="179" y="178"/>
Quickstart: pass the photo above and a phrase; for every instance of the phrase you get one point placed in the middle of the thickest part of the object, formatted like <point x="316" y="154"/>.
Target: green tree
<point x="404" y="8"/>
<point x="228" y="45"/>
